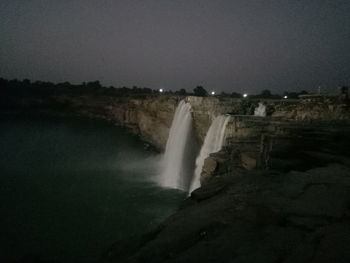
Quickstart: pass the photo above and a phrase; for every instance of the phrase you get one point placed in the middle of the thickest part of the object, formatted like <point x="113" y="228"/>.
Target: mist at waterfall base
<point x="71" y="188"/>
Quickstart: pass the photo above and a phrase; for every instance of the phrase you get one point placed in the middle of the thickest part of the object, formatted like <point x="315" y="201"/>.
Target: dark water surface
<point x="70" y="188"/>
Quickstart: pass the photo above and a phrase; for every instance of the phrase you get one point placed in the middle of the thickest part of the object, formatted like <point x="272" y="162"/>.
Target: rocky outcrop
<point x="270" y="143"/>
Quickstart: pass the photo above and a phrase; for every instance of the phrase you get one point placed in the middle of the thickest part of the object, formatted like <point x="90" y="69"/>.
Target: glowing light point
<point x="245" y="95"/>
<point x="213" y="93"/>
<point x="285" y="97"/>
<point x="161" y="90"/>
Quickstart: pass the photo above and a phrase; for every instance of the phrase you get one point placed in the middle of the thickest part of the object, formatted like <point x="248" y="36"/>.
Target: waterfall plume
<point x="175" y="172"/>
<point x="212" y="143"/>
<point x="260" y="110"/>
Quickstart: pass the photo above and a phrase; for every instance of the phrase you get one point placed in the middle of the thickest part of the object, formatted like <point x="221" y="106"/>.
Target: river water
<point x="72" y="187"/>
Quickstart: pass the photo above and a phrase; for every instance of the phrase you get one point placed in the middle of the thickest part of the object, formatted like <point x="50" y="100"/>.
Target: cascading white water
<point x="173" y="163"/>
<point x="260" y="110"/>
<point x="212" y="143"/>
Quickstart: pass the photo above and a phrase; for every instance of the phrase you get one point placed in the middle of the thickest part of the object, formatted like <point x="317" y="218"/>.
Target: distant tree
<point x="94" y="85"/>
<point x="26" y="82"/>
<point x="200" y="91"/>
<point x="236" y="95"/>
<point x="3" y="83"/>
<point x="181" y="92"/>
<point x="66" y="84"/>
<point x="266" y="94"/>
<point x="147" y="90"/>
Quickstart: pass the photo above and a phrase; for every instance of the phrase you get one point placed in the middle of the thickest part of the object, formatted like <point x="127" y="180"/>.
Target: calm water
<point x="70" y="188"/>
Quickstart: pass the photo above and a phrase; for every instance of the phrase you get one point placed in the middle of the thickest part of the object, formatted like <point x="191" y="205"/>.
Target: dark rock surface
<point x="255" y="216"/>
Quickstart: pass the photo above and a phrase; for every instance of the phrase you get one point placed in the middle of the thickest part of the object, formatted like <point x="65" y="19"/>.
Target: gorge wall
<point x="248" y="137"/>
<point x="292" y="134"/>
<point x="151" y="117"/>
<point x="148" y="117"/>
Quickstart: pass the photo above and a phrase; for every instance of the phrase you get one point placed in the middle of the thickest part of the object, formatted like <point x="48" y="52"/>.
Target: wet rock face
<point x="209" y="168"/>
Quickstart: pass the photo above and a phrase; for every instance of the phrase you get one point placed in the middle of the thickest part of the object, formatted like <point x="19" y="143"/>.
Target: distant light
<point x="245" y="95"/>
<point x="213" y="93"/>
<point x="285" y="97"/>
<point x="160" y="90"/>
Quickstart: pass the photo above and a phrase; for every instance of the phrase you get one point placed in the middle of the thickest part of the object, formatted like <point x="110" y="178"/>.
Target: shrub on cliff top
<point x="200" y="91"/>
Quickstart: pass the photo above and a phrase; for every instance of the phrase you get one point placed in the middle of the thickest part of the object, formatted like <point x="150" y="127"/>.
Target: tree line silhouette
<point x="27" y="88"/>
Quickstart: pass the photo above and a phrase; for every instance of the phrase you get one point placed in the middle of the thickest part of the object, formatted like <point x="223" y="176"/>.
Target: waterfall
<point x="212" y="143"/>
<point x="174" y="172"/>
<point x="260" y="110"/>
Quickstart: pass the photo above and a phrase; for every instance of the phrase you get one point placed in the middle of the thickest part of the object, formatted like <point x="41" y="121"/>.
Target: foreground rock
<point x="255" y="216"/>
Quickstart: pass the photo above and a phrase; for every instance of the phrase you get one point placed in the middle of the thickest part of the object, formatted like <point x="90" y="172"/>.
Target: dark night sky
<point x="227" y="45"/>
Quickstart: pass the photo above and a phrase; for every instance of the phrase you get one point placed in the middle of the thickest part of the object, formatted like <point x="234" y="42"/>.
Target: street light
<point x="213" y="93"/>
<point x="285" y="97"/>
<point x="245" y="95"/>
<point x="160" y="90"/>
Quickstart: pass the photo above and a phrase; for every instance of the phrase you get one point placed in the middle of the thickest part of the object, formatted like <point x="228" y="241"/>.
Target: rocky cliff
<point x="205" y="109"/>
<point x="151" y="116"/>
